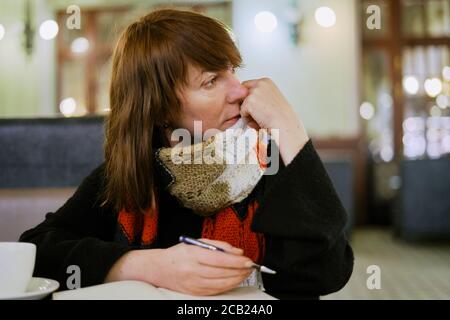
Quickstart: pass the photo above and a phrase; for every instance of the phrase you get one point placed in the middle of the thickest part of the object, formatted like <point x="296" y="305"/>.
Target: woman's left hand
<point x="267" y="106"/>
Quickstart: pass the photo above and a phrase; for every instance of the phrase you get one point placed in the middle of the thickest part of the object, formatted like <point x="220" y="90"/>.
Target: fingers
<point x="224" y="245"/>
<point x="250" y="83"/>
<point x="198" y="271"/>
<point x="248" y="119"/>
<point x="206" y="280"/>
<point x="245" y="113"/>
<point x="248" y="112"/>
<point x="209" y="272"/>
<point x="221" y="259"/>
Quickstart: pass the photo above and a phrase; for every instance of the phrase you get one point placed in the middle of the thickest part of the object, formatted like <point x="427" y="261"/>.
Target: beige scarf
<point x="217" y="172"/>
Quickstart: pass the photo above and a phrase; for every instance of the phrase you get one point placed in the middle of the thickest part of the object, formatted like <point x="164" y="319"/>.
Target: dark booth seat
<point x="423" y="206"/>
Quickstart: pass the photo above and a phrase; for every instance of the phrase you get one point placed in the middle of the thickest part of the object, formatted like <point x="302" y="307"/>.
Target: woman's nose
<point x="237" y="92"/>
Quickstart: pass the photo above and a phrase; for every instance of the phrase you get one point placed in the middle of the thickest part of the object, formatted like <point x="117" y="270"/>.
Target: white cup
<point x="16" y="267"/>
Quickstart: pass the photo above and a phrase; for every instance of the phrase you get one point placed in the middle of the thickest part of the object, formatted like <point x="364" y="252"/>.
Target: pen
<point x="208" y="246"/>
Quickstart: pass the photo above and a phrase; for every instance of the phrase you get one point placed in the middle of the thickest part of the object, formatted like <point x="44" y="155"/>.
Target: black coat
<point x="300" y="215"/>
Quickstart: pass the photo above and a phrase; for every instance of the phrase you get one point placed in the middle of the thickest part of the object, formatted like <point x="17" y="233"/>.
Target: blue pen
<point x="208" y="246"/>
<point x="199" y="243"/>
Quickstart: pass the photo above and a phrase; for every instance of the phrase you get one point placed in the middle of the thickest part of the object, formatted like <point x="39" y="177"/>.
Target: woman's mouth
<point x="233" y="120"/>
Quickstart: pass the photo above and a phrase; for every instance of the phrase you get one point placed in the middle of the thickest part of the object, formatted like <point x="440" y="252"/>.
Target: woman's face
<point x="214" y="98"/>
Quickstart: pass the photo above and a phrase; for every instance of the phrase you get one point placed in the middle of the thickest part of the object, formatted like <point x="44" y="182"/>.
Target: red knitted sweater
<point x="224" y="225"/>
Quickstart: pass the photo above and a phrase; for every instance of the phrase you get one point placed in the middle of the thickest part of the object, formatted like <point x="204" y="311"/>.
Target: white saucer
<point x="38" y="288"/>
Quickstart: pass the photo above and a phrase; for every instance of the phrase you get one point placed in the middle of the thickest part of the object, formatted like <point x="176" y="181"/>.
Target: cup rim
<point x="18" y="244"/>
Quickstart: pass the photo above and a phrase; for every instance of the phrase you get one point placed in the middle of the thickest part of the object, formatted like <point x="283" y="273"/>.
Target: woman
<point x="172" y="68"/>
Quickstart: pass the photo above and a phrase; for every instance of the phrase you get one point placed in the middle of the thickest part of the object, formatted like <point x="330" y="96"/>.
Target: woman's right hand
<point x="197" y="271"/>
<point x="185" y="268"/>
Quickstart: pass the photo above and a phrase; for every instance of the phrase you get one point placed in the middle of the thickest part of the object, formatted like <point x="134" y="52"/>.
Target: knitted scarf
<point x="214" y="189"/>
<point x="223" y="170"/>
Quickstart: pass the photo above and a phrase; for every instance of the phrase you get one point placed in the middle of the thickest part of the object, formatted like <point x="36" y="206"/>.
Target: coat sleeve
<point x="303" y="222"/>
<point x="80" y="233"/>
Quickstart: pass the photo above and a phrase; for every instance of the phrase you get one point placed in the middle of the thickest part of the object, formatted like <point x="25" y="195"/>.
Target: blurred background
<point x="370" y="80"/>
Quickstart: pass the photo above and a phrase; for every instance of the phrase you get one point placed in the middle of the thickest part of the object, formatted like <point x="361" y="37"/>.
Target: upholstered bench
<point x="42" y="161"/>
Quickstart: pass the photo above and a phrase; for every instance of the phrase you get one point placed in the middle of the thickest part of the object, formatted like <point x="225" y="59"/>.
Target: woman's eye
<point x="211" y="82"/>
<point x="232" y="69"/>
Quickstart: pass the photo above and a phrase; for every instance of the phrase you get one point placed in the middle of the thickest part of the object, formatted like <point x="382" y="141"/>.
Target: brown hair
<point x="150" y="63"/>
